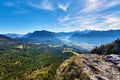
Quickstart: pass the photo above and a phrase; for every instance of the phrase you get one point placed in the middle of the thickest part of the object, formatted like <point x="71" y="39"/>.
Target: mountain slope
<point x="111" y="48"/>
<point x="101" y="33"/>
<point x="96" y="37"/>
<point x="29" y="61"/>
<point x="3" y="37"/>
<point x="67" y="35"/>
<point x="42" y="37"/>
<point x="89" y="67"/>
<point x="5" y="42"/>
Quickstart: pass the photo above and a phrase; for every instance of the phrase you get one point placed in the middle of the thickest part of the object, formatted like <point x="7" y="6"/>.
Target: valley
<point x="82" y="41"/>
<point x="28" y="60"/>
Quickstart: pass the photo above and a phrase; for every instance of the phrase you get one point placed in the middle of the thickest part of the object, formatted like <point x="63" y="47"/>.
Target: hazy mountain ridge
<point x="109" y="33"/>
<point x="96" y="37"/>
<point x="67" y="35"/>
<point x="13" y="35"/>
<point x="42" y="37"/>
<point x="84" y="39"/>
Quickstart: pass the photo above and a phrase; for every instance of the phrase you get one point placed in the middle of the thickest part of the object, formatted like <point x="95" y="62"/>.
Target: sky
<point x="23" y="16"/>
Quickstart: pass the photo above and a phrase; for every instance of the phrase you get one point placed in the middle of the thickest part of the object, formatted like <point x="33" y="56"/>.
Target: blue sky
<point x="22" y="16"/>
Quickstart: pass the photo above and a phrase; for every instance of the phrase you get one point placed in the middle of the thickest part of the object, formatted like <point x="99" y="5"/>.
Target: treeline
<point x="112" y="48"/>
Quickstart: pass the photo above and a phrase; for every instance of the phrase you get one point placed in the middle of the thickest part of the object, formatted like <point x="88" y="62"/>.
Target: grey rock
<point x="113" y="58"/>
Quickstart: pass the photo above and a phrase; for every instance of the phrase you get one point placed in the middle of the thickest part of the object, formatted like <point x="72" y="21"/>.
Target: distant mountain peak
<point x="42" y="37"/>
<point x="42" y="33"/>
<point x="3" y="37"/>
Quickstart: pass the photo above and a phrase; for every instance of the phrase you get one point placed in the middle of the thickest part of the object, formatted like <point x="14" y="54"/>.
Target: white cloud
<point x="63" y="19"/>
<point x="98" y="5"/>
<point x="113" y="3"/>
<point x="44" y="4"/>
<point x="92" y="5"/>
<point x="63" y="7"/>
<point x="91" y="16"/>
<point x="85" y="14"/>
<point x="92" y="21"/>
<point x="113" y="22"/>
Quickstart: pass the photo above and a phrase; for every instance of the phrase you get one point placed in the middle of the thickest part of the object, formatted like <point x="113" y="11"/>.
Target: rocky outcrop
<point x="90" y="67"/>
<point x="115" y="59"/>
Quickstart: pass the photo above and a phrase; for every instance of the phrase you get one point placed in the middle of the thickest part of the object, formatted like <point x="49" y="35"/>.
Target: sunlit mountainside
<point x="39" y="55"/>
<point x="59" y="39"/>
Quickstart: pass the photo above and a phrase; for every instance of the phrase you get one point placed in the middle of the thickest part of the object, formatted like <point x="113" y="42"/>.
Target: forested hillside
<point x="29" y="61"/>
<point x="111" y="48"/>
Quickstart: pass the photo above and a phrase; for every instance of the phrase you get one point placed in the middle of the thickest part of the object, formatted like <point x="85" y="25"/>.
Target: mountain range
<point x="42" y="37"/>
<point x="96" y="37"/>
<point x="32" y="60"/>
<point x="85" y="39"/>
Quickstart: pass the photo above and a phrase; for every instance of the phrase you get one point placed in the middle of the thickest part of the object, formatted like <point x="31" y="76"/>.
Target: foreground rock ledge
<point x="90" y="67"/>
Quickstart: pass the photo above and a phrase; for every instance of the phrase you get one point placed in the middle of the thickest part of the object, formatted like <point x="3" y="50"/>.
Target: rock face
<point x="90" y="67"/>
<point x="115" y="59"/>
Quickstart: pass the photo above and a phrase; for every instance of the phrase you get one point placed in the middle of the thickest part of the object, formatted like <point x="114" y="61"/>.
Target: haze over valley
<point x="82" y="40"/>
